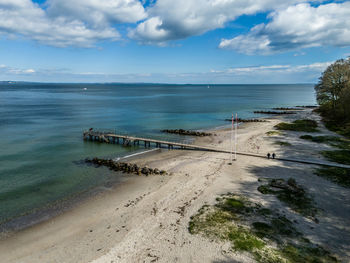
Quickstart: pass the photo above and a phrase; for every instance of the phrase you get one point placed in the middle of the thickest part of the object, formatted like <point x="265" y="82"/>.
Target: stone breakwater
<point x="275" y="112"/>
<point x="286" y="109"/>
<point x="129" y="168"/>
<point x="186" y="132"/>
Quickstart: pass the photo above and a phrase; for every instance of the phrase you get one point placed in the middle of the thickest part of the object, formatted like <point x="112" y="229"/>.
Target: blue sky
<point x="184" y="41"/>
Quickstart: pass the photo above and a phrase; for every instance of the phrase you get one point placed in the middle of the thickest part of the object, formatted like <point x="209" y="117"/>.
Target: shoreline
<point x="147" y="217"/>
<point x="40" y="215"/>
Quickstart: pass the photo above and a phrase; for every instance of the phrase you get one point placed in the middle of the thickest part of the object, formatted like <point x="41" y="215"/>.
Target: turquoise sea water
<point x="41" y="128"/>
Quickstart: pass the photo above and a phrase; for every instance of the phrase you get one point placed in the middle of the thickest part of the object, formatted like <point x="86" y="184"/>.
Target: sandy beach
<point x="146" y="219"/>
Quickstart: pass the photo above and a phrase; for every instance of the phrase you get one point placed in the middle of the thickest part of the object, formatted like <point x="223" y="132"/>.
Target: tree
<point x="333" y="86"/>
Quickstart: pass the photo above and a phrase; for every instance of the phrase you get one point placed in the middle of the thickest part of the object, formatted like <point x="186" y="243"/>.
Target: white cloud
<point x="6" y="70"/>
<point x="97" y="12"/>
<point x="250" y="75"/>
<point x="171" y="20"/>
<point x="62" y="24"/>
<point x="296" y="27"/>
<point x="317" y="67"/>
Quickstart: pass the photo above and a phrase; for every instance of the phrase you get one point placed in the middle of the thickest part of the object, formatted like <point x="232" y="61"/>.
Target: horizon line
<point x="149" y="83"/>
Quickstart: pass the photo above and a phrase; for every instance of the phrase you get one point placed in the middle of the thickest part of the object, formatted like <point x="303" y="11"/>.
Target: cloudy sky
<point x="182" y="41"/>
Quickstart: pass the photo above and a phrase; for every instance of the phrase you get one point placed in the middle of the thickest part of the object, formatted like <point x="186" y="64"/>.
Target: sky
<point x="167" y="41"/>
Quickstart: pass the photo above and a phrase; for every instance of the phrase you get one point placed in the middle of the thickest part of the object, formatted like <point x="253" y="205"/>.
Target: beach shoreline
<point x="146" y="218"/>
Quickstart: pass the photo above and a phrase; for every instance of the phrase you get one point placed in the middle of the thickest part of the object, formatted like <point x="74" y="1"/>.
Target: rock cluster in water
<point x="125" y="167"/>
<point x="308" y="106"/>
<point x="247" y="120"/>
<point x="275" y="112"/>
<point x="286" y="108"/>
<point x="186" y="132"/>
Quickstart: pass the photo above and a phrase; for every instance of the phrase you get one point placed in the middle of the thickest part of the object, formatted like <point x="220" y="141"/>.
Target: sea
<point x="41" y="126"/>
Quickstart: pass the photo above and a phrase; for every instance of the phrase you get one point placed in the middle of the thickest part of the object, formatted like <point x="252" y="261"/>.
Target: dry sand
<point x="146" y="218"/>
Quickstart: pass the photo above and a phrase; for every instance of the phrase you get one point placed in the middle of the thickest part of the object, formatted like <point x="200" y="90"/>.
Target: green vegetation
<point x="333" y="96"/>
<point x="244" y="240"/>
<point x="268" y="236"/>
<point x="307" y="254"/>
<point x="291" y="194"/>
<point x="304" y="125"/>
<point x="340" y="176"/>
<point x="339" y="156"/>
<point x="273" y="133"/>
<point x="321" y="139"/>
<point x="338" y="142"/>
<point x="306" y="137"/>
<point x="282" y="143"/>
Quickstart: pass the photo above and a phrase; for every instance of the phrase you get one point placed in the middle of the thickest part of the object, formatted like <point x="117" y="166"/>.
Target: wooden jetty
<point x="125" y="140"/>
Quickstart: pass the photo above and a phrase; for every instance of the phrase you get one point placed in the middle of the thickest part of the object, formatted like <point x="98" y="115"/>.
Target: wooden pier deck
<point x="108" y="137"/>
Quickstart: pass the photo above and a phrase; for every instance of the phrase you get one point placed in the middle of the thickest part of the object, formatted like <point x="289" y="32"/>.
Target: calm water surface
<point x="41" y="128"/>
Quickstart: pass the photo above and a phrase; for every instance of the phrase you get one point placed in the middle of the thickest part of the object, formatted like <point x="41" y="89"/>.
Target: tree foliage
<point x="333" y="95"/>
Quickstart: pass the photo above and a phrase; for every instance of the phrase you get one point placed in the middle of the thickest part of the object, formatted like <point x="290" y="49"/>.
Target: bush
<point x="298" y="125"/>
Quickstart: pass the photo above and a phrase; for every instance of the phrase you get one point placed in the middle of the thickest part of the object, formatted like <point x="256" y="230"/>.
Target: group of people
<point x="273" y="155"/>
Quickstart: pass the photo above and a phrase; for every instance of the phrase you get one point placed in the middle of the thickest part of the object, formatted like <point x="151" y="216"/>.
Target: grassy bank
<point x="340" y="176"/>
<point x="266" y="235"/>
<point x="304" y="125"/>
<point x="290" y="193"/>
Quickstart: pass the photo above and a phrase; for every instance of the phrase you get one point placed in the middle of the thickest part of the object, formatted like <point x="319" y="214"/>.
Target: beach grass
<point x="268" y="236"/>
<point x="292" y="194"/>
<point x="340" y="176"/>
<point x="273" y="133"/>
<point x="282" y="143"/>
<point x="338" y="156"/>
<point x="304" y="125"/>
<point x="335" y="141"/>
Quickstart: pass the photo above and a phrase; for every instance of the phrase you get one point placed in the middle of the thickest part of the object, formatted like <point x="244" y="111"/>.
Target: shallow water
<point x="41" y="128"/>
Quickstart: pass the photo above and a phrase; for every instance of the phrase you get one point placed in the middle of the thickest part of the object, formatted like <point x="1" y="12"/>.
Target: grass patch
<point x="338" y="156"/>
<point x="309" y="254"/>
<point x="254" y="229"/>
<point x="262" y="229"/>
<point x="282" y="143"/>
<point x="244" y="240"/>
<point x="304" y="125"/>
<point x="291" y="194"/>
<point x="235" y="205"/>
<point x="273" y="133"/>
<point x="340" y="176"/>
<point x="278" y="228"/>
<point x="338" y="142"/>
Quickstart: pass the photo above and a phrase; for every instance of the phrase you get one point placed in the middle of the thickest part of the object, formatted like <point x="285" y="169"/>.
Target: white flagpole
<point x="232" y="139"/>
<point x="236" y="137"/>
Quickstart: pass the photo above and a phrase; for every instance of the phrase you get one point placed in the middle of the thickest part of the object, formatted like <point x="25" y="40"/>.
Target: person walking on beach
<point x="268" y="155"/>
<point x="273" y="156"/>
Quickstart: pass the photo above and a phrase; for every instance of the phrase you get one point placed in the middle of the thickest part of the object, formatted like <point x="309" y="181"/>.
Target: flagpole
<point x="232" y="139"/>
<point x="236" y="137"/>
